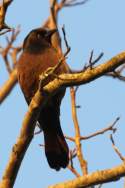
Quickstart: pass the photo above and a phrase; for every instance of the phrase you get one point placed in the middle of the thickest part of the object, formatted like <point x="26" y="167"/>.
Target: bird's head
<point x="38" y="39"/>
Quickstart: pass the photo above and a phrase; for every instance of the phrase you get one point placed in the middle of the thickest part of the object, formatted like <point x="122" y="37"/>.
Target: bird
<point x="39" y="55"/>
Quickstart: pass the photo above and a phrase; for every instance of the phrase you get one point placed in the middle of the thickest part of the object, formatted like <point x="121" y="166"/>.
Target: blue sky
<point x="98" y="26"/>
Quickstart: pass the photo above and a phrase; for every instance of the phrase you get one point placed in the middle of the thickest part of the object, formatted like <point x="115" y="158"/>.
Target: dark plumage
<point x="38" y="55"/>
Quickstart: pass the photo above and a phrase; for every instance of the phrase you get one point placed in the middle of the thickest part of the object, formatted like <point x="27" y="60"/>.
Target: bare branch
<point x="23" y="141"/>
<point x="70" y="138"/>
<point x="11" y="51"/>
<point x="102" y="131"/>
<point x="3" y="10"/>
<point x="116" y="74"/>
<point x="95" y="178"/>
<point x="90" y="59"/>
<point x="71" y="3"/>
<point x="5" y="51"/>
<point x="116" y="149"/>
<point x="98" y="58"/>
<point x="80" y="156"/>
<point x="83" y="77"/>
<point x="4" y="32"/>
<point x="73" y="170"/>
<point x="73" y="154"/>
<point x="91" y="62"/>
<point x="66" y="42"/>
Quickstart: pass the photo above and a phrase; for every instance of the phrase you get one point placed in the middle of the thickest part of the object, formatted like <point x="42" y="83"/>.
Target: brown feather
<point x="37" y="57"/>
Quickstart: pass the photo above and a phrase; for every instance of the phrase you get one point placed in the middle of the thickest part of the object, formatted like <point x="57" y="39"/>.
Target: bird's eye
<point x="38" y="36"/>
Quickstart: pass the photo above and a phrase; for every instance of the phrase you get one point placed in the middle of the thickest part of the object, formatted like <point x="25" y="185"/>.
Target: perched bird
<point x="37" y="56"/>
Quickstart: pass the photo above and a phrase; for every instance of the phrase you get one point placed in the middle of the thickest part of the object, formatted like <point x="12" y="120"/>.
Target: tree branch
<point x="3" y="10"/>
<point x="116" y="149"/>
<point x="73" y="170"/>
<point x="82" y="161"/>
<point x="102" y="131"/>
<point x="89" y="75"/>
<point x="5" y="51"/>
<point x="95" y="178"/>
<point x="23" y="141"/>
<point x="71" y="3"/>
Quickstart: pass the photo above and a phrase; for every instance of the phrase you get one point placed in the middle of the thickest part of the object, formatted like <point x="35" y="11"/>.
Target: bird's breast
<point x="29" y="68"/>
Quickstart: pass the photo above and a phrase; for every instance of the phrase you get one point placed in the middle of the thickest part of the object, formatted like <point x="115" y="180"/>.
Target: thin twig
<point x="42" y="145"/>
<point x="70" y="138"/>
<point x="116" y="149"/>
<point x="117" y="75"/>
<point x="75" y="3"/>
<point x="92" y="63"/>
<point x="102" y="131"/>
<point x="5" y="51"/>
<point x="65" y="39"/>
<point x="38" y="132"/>
<point x="90" y="59"/>
<point x="73" y="170"/>
<point x="98" y="58"/>
<point x="4" y="32"/>
<point x="73" y="154"/>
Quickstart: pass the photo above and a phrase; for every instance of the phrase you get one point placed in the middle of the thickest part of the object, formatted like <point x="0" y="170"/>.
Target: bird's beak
<point x="51" y="32"/>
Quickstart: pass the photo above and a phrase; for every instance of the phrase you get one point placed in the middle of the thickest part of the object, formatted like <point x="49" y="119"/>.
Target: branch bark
<point x="67" y="80"/>
<point x="3" y="10"/>
<point x="23" y="141"/>
<point x="82" y="161"/>
<point x="95" y="178"/>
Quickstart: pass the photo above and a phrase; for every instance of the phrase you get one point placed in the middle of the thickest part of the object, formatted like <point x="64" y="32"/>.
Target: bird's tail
<point x="56" y="148"/>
